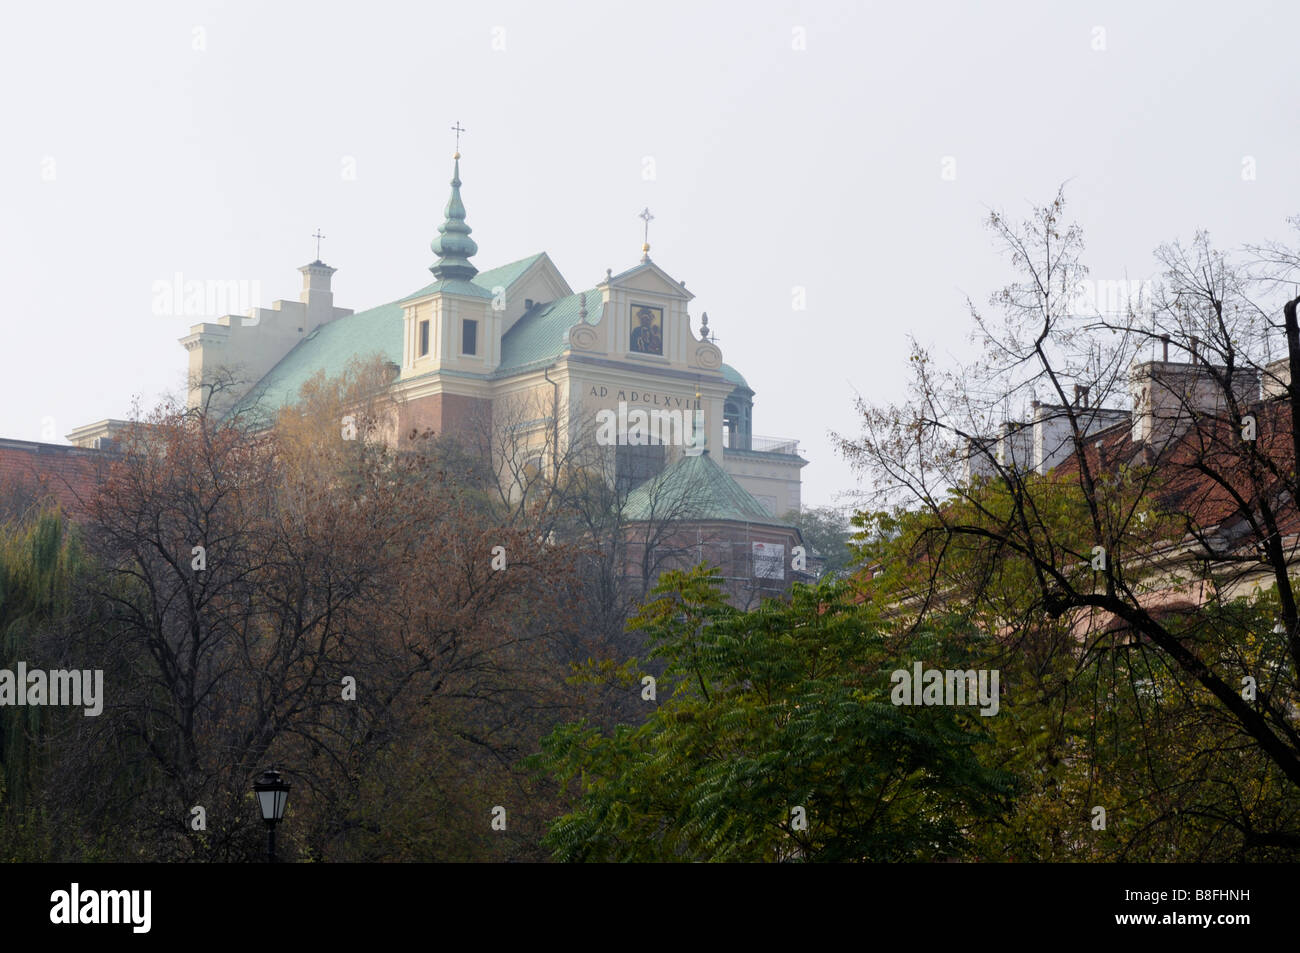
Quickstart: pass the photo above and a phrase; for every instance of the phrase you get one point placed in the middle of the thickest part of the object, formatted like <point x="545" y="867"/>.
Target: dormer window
<point x="469" y="337"/>
<point x="424" y="338"/>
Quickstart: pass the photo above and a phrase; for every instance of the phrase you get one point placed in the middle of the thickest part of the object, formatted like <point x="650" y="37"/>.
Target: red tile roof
<point x="1204" y="471"/>
<point x="1205" y="476"/>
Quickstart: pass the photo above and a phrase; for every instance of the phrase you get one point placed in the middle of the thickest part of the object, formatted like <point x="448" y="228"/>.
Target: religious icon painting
<point x="647" y="330"/>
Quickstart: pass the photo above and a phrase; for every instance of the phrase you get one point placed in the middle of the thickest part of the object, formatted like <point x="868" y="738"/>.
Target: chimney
<point x="1164" y="348"/>
<point x="1080" y="395"/>
<point x="1196" y="344"/>
<point x="316" y="294"/>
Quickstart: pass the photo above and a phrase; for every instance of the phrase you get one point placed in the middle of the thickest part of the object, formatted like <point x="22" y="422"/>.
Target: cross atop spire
<point x="318" y="236"/>
<point x="646" y="217"/>
<point x="457" y="129"/>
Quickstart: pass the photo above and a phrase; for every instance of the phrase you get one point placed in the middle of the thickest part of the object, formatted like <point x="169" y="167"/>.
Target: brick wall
<point x="31" y="472"/>
<point x="445" y="414"/>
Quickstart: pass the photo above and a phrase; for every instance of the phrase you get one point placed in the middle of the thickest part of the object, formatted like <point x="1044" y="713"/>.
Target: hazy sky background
<point x="129" y="155"/>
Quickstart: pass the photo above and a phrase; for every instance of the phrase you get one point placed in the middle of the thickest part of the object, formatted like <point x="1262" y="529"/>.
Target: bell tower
<point x="451" y="324"/>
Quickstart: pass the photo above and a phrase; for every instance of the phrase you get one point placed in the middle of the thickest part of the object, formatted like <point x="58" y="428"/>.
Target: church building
<point x="517" y="349"/>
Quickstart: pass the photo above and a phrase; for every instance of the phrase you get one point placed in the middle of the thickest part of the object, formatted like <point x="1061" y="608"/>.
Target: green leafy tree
<point x="42" y="566"/>
<point x="775" y="738"/>
<point x="826" y="532"/>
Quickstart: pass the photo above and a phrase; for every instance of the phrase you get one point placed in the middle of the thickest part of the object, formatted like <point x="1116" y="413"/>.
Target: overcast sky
<point x="850" y="149"/>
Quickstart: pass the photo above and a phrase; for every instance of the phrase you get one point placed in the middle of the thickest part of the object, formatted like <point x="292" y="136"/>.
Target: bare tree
<point x="1121" y="480"/>
<point x="293" y="595"/>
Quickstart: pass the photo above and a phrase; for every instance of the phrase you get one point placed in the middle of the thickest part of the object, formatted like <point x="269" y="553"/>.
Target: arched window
<point x="735" y="424"/>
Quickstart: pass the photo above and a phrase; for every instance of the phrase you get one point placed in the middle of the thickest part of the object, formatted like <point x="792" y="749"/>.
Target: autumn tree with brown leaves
<point x="361" y="616"/>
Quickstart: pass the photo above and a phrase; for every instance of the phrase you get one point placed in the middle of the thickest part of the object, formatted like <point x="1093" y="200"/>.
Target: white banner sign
<point x="769" y="561"/>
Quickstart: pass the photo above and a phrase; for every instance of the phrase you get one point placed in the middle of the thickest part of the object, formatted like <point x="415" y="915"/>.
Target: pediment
<point x="649" y="277"/>
<point x="541" y="282"/>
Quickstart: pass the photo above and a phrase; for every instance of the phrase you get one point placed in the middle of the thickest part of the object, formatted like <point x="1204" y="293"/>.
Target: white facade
<point x="247" y="347"/>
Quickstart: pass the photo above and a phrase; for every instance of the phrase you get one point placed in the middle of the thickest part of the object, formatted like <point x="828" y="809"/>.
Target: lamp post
<point x="272" y="794"/>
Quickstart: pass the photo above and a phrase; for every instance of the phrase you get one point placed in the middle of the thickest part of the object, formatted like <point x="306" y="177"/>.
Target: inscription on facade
<point x="653" y="397"/>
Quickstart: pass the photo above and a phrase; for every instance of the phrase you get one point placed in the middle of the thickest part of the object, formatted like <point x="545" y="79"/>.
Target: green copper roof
<point x="506" y="275"/>
<point x="539" y="334"/>
<point x="376" y="331"/>
<point x="733" y="375"/>
<point x="537" y="338"/>
<point x="329" y="348"/>
<point x="695" y="488"/>
<point x="502" y="277"/>
<point x="453" y="286"/>
<point x="453" y="246"/>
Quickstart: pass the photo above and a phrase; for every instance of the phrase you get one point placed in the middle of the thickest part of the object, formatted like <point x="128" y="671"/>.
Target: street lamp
<point x="272" y="794"/>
